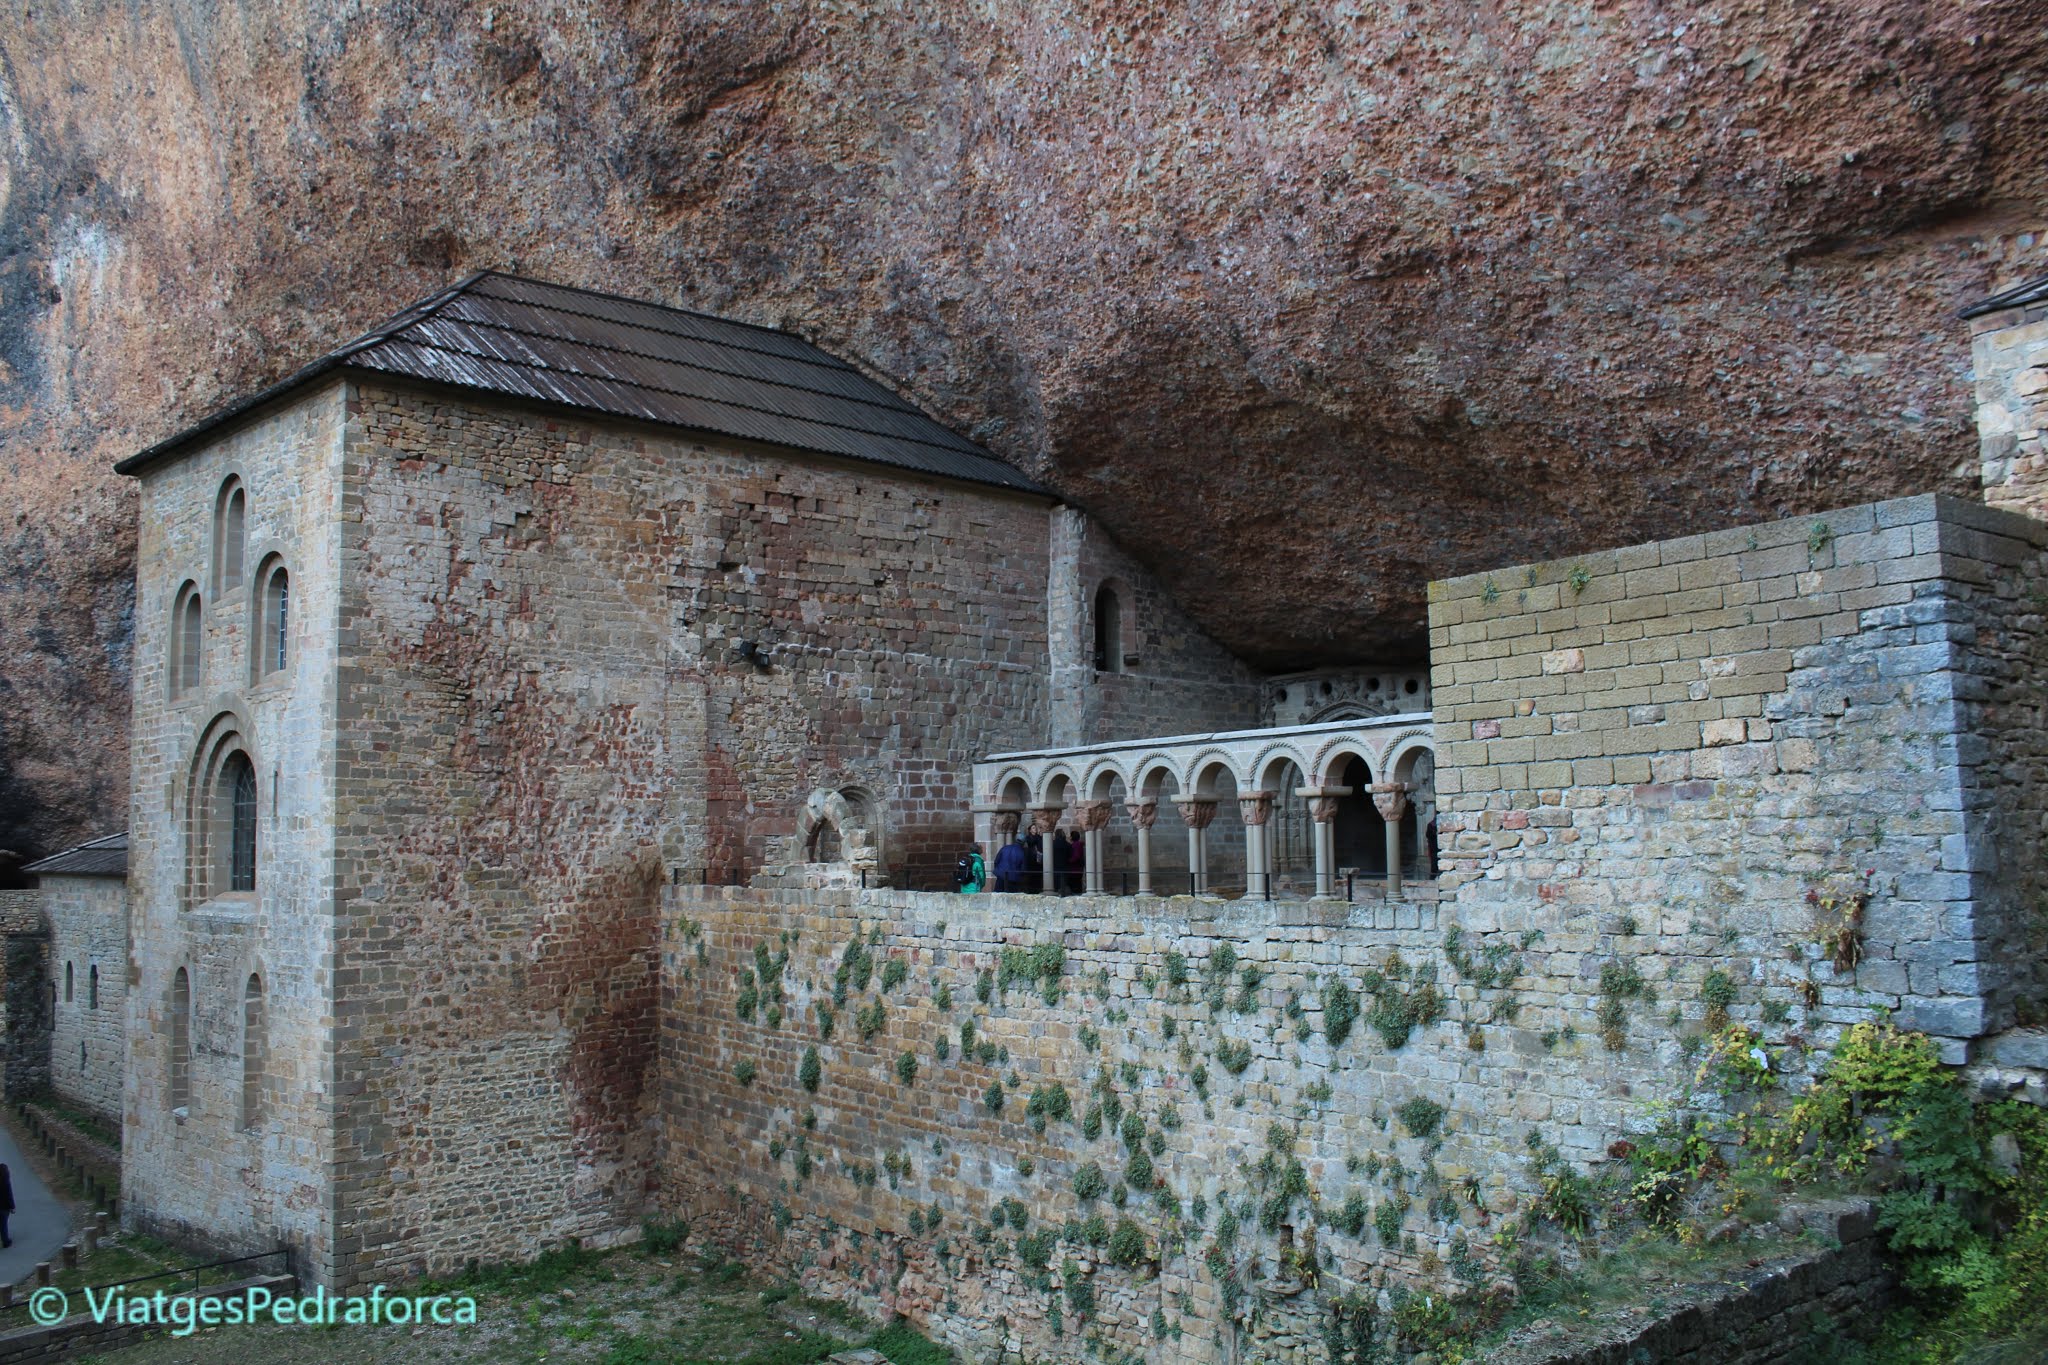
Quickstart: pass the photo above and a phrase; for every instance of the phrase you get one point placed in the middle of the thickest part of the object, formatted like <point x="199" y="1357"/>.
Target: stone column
<point x="1322" y="808"/>
<point x="1256" y="808"/>
<point x="1094" y="816"/>
<point x="1142" y="814"/>
<point x="1002" y="830"/>
<point x="1391" y="798"/>
<point x="1196" y="812"/>
<point x="1044" y="820"/>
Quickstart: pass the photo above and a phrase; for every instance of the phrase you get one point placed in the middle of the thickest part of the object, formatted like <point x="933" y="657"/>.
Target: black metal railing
<point x="284" y="1267"/>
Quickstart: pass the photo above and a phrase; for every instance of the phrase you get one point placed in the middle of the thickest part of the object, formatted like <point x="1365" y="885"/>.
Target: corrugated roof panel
<point x="528" y="339"/>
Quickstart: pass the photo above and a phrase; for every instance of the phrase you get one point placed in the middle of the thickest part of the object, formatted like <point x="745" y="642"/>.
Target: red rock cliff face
<point x="1307" y="304"/>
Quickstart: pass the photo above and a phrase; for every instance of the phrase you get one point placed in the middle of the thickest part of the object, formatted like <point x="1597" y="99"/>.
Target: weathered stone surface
<point x="1304" y="308"/>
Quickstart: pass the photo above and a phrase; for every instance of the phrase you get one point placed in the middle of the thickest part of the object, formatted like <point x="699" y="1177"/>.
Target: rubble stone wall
<point x="2009" y="349"/>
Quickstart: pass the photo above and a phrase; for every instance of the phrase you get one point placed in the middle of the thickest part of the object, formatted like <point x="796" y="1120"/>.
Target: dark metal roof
<point x="522" y="338"/>
<point x="2034" y="291"/>
<point x="103" y="857"/>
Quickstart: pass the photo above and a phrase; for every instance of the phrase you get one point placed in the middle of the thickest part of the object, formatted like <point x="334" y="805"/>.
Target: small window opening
<point x="92" y="987"/>
<point x="1109" y="631"/>
<point x="229" y="535"/>
<point x="188" y="641"/>
<point x="255" y="1050"/>
<point x="181" y="1041"/>
<point x="272" y="635"/>
<point x="67" y="983"/>
<point x="241" y="779"/>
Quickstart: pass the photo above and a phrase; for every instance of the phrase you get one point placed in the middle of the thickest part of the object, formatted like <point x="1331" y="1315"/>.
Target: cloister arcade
<point x="1312" y="804"/>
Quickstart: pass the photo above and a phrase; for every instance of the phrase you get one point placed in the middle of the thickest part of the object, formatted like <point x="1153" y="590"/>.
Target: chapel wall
<point x="88" y="919"/>
<point x="2009" y="351"/>
<point x="549" y="720"/>
<point x="211" y="1177"/>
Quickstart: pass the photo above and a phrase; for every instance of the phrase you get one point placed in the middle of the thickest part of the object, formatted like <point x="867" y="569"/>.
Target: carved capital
<point x="1005" y="823"/>
<point x="1045" y="819"/>
<point x="1255" y="807"/>
<point x="1322" y="809"/>
<point x="1142" y="813"/>
<point x="1094" y="814"/>
<point x="1391" y="798"/>
<point x="1195" y="811"/>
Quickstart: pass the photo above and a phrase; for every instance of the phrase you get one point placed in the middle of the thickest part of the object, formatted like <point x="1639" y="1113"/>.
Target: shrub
<point x="869" y="1019"/>
<point x="1232" y="1056"/>
<point x="993" y="1097"/>
<point x="1718" y="993"/>
<point x="1127" y="1245"/>
<point x="1421" y="1117"/>
<point x="809" y="1070"/>
<point x="749" y="996"/>
<point x="663" y="1238"/>
<point x="1352" y="1218"/>
<point x="1386" y="1220"/>
<point x="893" y="973"/>
<point x="1340" y="1011"/>
<point x="906" y="1068"/>
<point x="744" y="1070"/>
<point x="1089" y="1182"/>
<point x="824" y="1020"/>
<point x="1138" y="1170"/>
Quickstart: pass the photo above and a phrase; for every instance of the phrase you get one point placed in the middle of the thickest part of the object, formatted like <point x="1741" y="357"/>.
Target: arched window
<point x="238" y="775"/>
<point x="255" y="1047"/>
<point x="1109" y="631"/>
<point x="230" y="535"/>
<point x="188" y="641"/>
<point x="181" y="1041"/>
<point x="92" y="987"/>
<point x="67" y="983"/>
<point x="275" y="632"/>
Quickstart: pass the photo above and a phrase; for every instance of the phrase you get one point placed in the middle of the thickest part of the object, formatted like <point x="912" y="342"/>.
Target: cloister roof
<point x="528" y="339"/>
<point x="106" y="856"/>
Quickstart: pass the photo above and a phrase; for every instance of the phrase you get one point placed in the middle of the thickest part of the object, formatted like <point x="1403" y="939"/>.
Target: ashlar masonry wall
<point x="1664" y="755"/>
<point x="89" y="964"/>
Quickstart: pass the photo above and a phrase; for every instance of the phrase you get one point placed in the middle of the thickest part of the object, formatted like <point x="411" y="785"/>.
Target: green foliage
<point x="1249" y="981"/>
<point x="993" y="1097"/>
<point x="1048" y="1103"/>
<point x="942" y="998"/>
<point x="810" y="1070"/>
<point x="1353" y="1216"/>
<point x="1340" y="1011"/>
<point x="1421" y="1116"/>
<point x="1386" y="1221"/>
<point x="1620" y="983"/>
<point x="744" y="1070"/>
<point x="1089" y="1182"/>
<point x="1011" y="1211"/>
<point x="1233" y="1056"/>
<point x="869" y="1019"/>
<point x="1041" y="964"/>
<point x="1578" y="578"/>
<point x="985" y="987"/>
<point x="900" y="1344"/>
<point x="749" y="997"/>
<point x="1133" y="1131"/>
<point x="663" y="1237"/>
<point x="825" y="1019"/>
<point x="1138" y="1171"/>
<point x="1091" y="1122"/>
<point x="1401" y="1001"/>
<point x="1090" y="1039"/>
<point x="943" y="1048"/>
<point x="1717" y="992"/>
<point x="906" y="1067"/>
<point x="1564" y="1197"/>
<point x="1199" y="1078"/>
<point x="1080" y="1293"/>
<point x="1127" y="1245"/>
<point x="894" y="971"/>
<point x="1176" y="968"/>
<point x="1818" y="537"/>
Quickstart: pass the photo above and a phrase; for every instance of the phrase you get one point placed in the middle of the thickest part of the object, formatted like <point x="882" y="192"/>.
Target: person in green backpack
<point x="968" y="874"/>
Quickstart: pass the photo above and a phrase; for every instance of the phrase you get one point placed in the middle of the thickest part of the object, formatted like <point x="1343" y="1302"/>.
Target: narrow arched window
<point x="238" y="777"/>
<point x="255" y="1049"/>
<point x="92" y="987"/>
<point x="277" y="598"/>
<point x="230" y="535"/>
<point x="188" y="641"/>
<point x="181" y="1040"/>
<point x="1109" y="631"/>
<point x="67" y="983"/>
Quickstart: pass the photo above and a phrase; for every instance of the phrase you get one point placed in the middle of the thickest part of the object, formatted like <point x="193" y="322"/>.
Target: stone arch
<point x="1330" y="760"/>
<point x="1012" y="787"/>
<point x="842" y="825"/>
<point x="222" y="812"/>
<point x="185" y="650"/>
<point x="1201" y="772"/>
<point x="1411" y="759"/>
<point x="1342" y="710"/>
<point x="269" y="617"/>
<point x="230" y="534"/>
<point x="1101" y="776"/>
<point x="1057" y="782"/>
<point x="1148" y="774"/>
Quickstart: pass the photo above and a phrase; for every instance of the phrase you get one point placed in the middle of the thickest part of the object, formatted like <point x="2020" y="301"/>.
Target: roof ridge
<point x="650" y="303"/>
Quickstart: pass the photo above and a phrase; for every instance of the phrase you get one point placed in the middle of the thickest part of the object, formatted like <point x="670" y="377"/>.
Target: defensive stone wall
<point x="89" y="964"/>
<point x="1787" y="754"/>
<point x="1027" y="1123"/>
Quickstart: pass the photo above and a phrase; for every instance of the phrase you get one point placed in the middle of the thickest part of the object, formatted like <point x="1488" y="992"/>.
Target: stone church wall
<point x="2009" y="350"/>
<point x="89" y="964"/>
<point x="546" y="718"/>
<point x="188" y="1175"/>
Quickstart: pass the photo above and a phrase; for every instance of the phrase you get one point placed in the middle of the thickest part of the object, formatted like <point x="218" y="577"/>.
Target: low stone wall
<point x="79" y="1335"/>
<point x="1773" y="1314"/>
<point x="1165" y="1066"/>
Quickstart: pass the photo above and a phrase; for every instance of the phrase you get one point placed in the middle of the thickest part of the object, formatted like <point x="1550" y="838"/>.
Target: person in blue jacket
<point x="1011" y="864"/>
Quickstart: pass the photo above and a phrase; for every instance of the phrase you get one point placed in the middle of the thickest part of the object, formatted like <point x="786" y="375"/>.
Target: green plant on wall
<point x="1042" y="965"/>
<point x="743" y="1070"/>
<point x="1340" y="1011"/>
<point x="810" y="1070"/>
<point x="749" y="998"/>
<point x="1621" y="983"/>
<point x="1421" y="1117"/>
<point x="894" y="972"/>
<point x="1717" y="992"/>
<point x="1403" y="999"/>
<point x="906" y="1067"/>
<point x="993" y="1097"/>
<point x="1579" y="579"/>
<point x="1089" y="1182"/>
<point x="1233" y="1056"/>
<point x="869" y="1019"/>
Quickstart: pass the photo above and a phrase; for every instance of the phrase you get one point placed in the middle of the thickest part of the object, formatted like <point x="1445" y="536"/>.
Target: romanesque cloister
<point x="1313" y="804"/>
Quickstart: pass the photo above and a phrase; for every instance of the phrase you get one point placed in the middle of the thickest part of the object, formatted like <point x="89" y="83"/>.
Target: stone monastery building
<point x="556" y="716"/>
